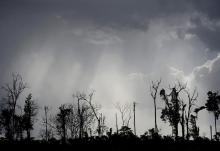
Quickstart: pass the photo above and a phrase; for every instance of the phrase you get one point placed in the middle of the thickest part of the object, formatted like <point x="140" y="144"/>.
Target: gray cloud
<point x="115" y="47"/>
<point x="207" y="30"/>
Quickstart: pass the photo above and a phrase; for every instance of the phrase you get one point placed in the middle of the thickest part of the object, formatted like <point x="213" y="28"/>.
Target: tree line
<point x="83" y="119"/>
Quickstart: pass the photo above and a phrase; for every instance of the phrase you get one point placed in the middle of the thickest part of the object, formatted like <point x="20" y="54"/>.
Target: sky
<point x="115" y="47"/>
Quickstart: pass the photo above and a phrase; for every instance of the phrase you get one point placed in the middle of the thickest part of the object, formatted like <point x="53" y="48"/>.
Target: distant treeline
<point x="81" y="122"/>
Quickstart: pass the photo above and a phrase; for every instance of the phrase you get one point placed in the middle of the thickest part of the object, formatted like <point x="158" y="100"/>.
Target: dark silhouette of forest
<point x="81" y="124"/>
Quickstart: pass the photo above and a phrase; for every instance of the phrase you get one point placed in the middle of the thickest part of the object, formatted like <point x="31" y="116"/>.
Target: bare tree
<point x="134" y="110"/>
<point x="153" y="91"/>
<point x="85" y="113"/>
<point x="125" y="111"/>
<point x="51" y="127"/>
<point x="182" y="120"/>
<point x="48" y="124"/>
<point x="13" y="92"/>
<point x="79" y="98"/>
<point x="116" y="123"/>
<point x="99" y="116"/>
<point x="73" y="124"/>
<point x="46" y="109"/>
<point x="192" y="98"/>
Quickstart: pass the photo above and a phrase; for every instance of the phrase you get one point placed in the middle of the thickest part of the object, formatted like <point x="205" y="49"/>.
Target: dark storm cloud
<point x="63" y="45"/>
<point x="129" y="13"/>
<point x="21" y="19"/>
<point x="208" y="31"/>
<point x="207" y="23"/>
<point x="119" y="13"/>
<point x="210" y="8"/>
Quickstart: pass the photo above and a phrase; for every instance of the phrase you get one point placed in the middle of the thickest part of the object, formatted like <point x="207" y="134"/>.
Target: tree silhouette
<point x="47" y="132"/>
<point x="192" y="98"/>
<point x="6" y="118"/>
<point x="19" y="126"/>
<point x="125" y="131"/>
<point x="46" y="109"/>
<point x="99" y="117"/>
<point x="194" y="131"/>
<point x="85" y="113"/>
<point x="153" y="91"/>
<point x="61" y="121"/>
<point x="172" y="106"/>
<point x="151" y="134"/>
<point x="73" y="123"/>
<point x="30" y="111"/>
<point x="182" y="118"/>
<point x="82" y="118"/>
<point x="13" y="91"/>
<point x="212" y="105"/>
<point x="125" y="111"/>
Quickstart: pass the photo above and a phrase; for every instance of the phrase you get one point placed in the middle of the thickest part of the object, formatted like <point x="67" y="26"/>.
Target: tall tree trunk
<point x="13" y="121"/>
<point x="28" y="135"/>
<point x="134" y="119"/>
<point x="215" y="124"/>
<point x="176" y="131"/>
<point x="183" y="124"/>
<point x="116" y="123"/>
<point x="187" y="129"/>
<point x="64" y="131"/>
<point x="45" y="109"/>
<point x="183" y="131"/>
<point x="99" y="127"/>
<point x="155" y="115"/>
<point x="80" y="120"/>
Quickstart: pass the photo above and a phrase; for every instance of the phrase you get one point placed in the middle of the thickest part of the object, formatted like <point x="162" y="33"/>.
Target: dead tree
<point x="125" y="111"/>
<point x="85" y="112"/>
<point x="73" y="124"/>
<point x="182" y="120"/>
<point x="116" y="123"/>
<point x="49" y="124"/>
<point x="45" y="132"/>
<point x="46" y="118"/>
<point x="192" y="98"/>
<point x="99" y="117"/>
<point x="153" y="91"/>
<point x="79" y="97"/>
<point x="134" y="109"/>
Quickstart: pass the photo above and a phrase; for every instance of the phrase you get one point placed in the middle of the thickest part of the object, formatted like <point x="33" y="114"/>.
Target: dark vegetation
<point x="81" y="124"/>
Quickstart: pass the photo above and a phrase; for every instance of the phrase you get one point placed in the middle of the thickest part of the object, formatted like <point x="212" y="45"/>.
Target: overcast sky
<point x="115" y="47"/>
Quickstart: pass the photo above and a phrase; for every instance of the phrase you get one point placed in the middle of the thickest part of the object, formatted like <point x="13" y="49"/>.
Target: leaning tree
<point x="99" y="116"/>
